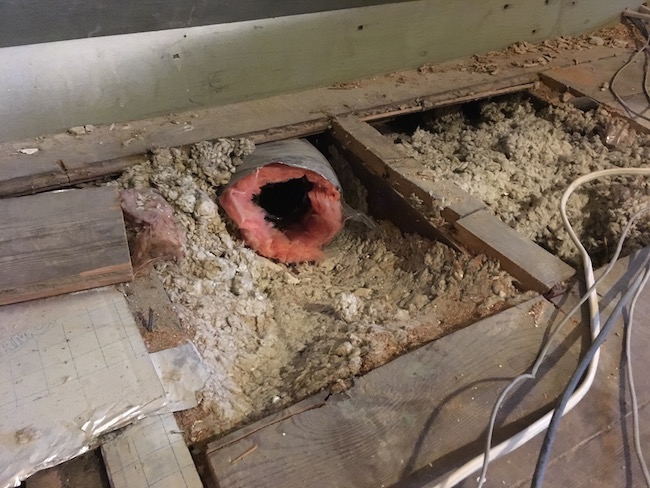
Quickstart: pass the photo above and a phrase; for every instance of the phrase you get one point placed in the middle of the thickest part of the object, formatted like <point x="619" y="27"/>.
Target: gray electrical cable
<point x="630" y="379"/>
<point x="631" y="113"/>
<point x="551" y="432"/>
<point x="545" y="349"/>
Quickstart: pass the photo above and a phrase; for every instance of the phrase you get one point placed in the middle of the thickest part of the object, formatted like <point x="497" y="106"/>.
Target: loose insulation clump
<point x="519" y="160"/>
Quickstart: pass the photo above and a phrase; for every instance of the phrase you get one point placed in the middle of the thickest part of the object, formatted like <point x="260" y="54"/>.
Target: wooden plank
<point x="593" y="447"/>
<point x="20" y="175"/>
<point x="534" y="267"/>
<point x="61" y="242"/>
<point x="593" y="80"/>
<point x="386" y="160"/>
<point x="265" y="120"/>
<point x="424" y="413"/>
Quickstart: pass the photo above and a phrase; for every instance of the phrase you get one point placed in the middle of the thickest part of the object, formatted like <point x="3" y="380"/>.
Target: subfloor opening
<point x="273" y="334"/>
<point x="518" y="155"/>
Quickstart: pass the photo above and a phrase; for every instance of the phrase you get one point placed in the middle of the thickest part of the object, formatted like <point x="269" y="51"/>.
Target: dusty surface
<point x="519" y="160"/>
<point x="530" y="55"/>
<point x="272" y="334"/>
<point x="147" y="298"/>
<point x="87" y="471"/>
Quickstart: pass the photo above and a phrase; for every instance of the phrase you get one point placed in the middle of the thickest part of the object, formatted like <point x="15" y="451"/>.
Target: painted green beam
<point x="48" y="87"/>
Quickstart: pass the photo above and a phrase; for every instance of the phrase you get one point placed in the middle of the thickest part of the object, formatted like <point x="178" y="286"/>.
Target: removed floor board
<point x="71" y="369"/>
<point x="594" y="445"/>
<point x="60" y="242"/>
<point x="423" y="413"/>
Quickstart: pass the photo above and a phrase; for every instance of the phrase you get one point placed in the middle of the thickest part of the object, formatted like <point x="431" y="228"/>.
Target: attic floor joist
<point x="58" y="160"/>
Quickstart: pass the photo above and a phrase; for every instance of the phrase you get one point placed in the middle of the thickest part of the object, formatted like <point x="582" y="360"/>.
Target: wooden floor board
<point x="61" y="242"/>
<point x="66" y="158"/>
<point x="534" y="267"/>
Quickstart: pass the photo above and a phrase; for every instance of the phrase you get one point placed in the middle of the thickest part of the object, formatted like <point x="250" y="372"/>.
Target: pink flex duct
<point x="286" y="200"/>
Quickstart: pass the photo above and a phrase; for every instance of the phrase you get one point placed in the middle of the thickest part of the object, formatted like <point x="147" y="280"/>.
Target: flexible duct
<point x="286" y="200"/>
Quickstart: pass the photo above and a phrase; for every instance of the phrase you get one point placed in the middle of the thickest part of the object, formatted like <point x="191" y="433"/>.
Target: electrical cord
<point x="632" y="113"/>
<point x="542" y="355"/>
<point x="541" y="424"/>
<point x="643" y="49"/>
<point x="630" y="379"/>
<point x="551" y="432"/>
<point x="592" y="365"/>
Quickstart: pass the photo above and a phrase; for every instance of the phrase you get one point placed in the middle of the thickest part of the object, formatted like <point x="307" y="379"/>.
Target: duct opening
<point x="285" y="203"/>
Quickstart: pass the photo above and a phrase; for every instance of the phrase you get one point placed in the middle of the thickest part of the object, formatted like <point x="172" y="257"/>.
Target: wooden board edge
<point x="38" y="182"/>
<point x="310" y="403"/>
<point x="58" y="286"/>
<point x="384" y="159"/>
<point x="504" y="86"/>
<point x="521" y="263"/>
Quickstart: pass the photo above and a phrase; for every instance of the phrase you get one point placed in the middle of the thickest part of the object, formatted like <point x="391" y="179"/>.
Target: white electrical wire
<point x="540" y="425"/>
<point x="542" y="355"/>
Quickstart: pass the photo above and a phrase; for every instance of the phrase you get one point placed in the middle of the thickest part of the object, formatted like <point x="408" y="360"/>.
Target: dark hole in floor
<point x="471" y="110"/>
<point x="285" y="203"/>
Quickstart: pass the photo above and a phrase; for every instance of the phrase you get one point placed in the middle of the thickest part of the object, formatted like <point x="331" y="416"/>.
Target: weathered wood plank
<point x="534" y="267"/>
<point x="23" y="174"/>
<point x="386" y="160"/>
<point x="423" y="413"/>
<point x="61" y="242"/>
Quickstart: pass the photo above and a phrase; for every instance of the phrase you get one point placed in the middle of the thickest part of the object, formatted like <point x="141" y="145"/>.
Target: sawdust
<point x="273" y="334"/>
<point x="519" y="159"/>
<point x="529" y="55"/>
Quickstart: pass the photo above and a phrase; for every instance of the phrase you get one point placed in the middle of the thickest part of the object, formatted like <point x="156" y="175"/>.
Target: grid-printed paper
<point x="150" y="454"/>
<point x="71" y="368"/>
